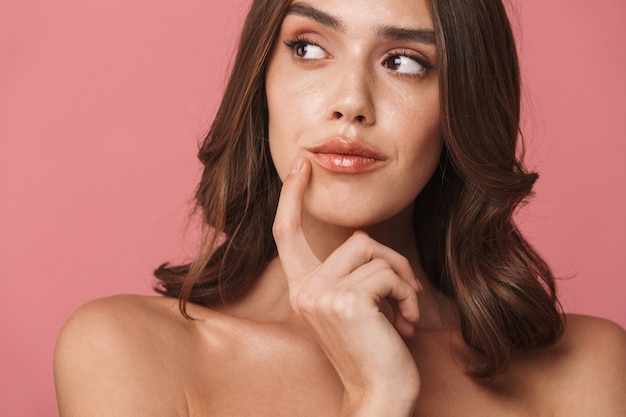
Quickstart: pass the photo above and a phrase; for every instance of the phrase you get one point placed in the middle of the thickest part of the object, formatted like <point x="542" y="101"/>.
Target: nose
<point x="351" y="98"/>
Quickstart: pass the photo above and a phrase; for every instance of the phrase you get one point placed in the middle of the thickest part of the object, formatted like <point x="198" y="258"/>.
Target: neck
<point x="268" y="296"/>
<point x="396" y="233"/>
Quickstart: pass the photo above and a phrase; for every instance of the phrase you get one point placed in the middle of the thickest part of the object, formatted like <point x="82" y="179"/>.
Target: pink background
<point x="101" y="103"/>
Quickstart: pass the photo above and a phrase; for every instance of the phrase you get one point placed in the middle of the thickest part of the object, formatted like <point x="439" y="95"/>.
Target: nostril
<point x="359" y="118"/>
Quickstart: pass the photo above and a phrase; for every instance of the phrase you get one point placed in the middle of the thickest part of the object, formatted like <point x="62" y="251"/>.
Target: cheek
<point x="421" y="150"/>
<point x="293" y="109"/>
<point x="277" y="119"/>
<point x="284" y="131"/>
<point x="278" y="149"/>
<point x="420" y="126"/>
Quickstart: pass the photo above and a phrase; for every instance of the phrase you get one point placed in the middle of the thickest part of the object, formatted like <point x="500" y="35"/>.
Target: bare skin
<point x="132" y="355"/>
<point x="343" y="322"/>
<point x="136" y="356"/>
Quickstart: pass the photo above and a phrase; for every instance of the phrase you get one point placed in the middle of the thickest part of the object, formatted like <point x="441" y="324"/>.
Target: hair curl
<point x="469" y="244"/>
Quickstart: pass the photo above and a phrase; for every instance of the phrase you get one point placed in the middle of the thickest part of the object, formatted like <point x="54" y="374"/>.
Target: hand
<point x="340" y="299"/>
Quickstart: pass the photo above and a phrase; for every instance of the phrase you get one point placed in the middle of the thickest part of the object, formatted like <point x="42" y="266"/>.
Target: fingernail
<point x="419" y="284"/>
<point x="297" y="165"/>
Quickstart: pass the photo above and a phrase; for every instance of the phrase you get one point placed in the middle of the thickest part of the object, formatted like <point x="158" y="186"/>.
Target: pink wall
<point x="100" y="107"/>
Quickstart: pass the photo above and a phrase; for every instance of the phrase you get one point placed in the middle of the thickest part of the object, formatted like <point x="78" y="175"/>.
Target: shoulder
<point x="595" y="345"/>
<point x="118" y="322"/>
<point x="586" y="332"/>
<point x="114" y="356"/>
<point x="589" y="367"/>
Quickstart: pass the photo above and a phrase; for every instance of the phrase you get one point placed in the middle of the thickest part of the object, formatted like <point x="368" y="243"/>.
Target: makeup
<point x="346" y="156"/>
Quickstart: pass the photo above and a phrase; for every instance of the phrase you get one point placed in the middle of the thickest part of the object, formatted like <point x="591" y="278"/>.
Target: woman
<point x="360" y="256"/>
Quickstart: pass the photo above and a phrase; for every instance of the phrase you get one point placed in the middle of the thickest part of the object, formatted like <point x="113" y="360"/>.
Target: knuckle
<point x="360" y="238"/>
<point x="346" y="304"/>
<point x="404" y="262"/>
<point x="306" y="302"/>
<point x="380" y="264"/>
<point x="331" y="305"/>
<point x="281" y="229"/>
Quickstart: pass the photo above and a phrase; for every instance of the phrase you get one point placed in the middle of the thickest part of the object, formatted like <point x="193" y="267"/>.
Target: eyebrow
<point x="306" y="10"/>
<point x="426" y="36"/>
<point x="396" y="33"/>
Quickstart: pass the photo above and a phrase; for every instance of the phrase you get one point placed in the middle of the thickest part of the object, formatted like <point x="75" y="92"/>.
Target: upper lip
<point x="344" y="146"/>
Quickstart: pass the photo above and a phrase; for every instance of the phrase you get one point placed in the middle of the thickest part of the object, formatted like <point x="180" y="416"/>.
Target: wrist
<point x="400" y="403"/>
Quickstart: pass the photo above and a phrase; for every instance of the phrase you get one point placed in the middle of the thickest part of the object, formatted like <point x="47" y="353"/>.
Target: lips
<point x="347" y="156"/>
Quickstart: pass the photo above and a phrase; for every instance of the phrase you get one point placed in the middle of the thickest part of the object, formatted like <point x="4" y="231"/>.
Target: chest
<point x="279" y="378"/>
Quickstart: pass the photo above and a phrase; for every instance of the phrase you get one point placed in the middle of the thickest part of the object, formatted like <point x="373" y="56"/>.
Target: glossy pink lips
<point x="346" y="156"/>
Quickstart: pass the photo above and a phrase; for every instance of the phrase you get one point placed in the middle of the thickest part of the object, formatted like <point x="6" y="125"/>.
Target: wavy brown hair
<point x="470" y="246"/>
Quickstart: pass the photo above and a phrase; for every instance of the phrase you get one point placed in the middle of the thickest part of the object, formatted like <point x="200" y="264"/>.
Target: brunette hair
<point x="468" y="242"/>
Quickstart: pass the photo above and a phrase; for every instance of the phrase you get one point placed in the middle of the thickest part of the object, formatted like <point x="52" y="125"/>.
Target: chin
<point x="349" y="215"/>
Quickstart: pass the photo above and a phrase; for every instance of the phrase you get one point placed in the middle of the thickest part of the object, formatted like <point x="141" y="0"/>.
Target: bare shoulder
<point x="116" y="356"/>
<point x="593" y="330"/>
<point x="595" y="345"/>
<point x="589" y="365"/>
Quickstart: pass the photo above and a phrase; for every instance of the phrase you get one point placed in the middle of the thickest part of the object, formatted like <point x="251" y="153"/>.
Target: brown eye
<point x="393" y="63"/>
<point x="404" y="64"/>
<point x="301" y="50"/>
<point x="306" y="50"/>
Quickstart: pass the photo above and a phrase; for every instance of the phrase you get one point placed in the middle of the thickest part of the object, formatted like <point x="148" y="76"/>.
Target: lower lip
<point x="346" y="164"/>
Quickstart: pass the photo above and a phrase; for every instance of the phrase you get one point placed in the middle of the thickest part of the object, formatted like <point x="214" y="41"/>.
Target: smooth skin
<point x="277" y="353"/>
<point x="343" y="322"/>
<point x="340" y="300"/>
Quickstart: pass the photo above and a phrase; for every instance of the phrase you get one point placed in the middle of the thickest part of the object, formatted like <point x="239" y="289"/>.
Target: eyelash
<point x="294" y="43"/>
<point x="299" y="41"/>
<point x="412" y="56"/>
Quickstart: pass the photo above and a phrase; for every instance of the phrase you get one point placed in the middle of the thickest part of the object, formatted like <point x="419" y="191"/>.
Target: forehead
<point x="357" y="15"/>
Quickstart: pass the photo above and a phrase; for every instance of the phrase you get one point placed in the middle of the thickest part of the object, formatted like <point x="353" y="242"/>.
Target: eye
<point x="406" y="64"/>
<point x="305" y="49"/>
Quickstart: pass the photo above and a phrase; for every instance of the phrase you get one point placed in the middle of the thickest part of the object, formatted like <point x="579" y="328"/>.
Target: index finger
<point x="294" y="251"/>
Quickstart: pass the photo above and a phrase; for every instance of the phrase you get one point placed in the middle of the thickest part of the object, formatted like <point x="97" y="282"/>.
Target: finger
<point x="363" y="302"/>
<point x="296" y="255"/>
<point x="359" y="250"/>
<point x="376" y="281"/>
<point x="402" y="325"/>
<point x="387" y="284"/>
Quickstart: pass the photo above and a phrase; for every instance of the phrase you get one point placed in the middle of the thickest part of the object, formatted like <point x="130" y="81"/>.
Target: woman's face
<point x="352" y="86"/>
